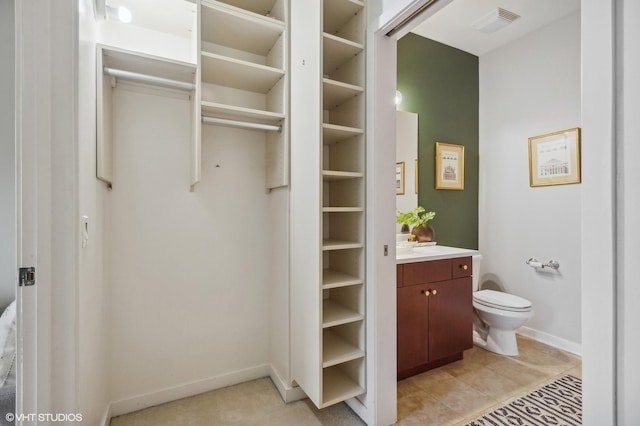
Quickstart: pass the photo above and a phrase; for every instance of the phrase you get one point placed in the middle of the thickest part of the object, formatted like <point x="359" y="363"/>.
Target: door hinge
<point x="27" y="276"/>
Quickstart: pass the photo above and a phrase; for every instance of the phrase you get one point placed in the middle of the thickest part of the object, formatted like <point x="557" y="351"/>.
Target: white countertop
<point x="421" y="254"/>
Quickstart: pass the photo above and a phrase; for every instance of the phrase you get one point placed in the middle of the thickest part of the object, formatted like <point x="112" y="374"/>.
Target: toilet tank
<point x="475" y="277"/>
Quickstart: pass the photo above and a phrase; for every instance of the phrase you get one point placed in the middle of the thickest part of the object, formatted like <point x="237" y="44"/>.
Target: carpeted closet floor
<point x="454" y="394"/>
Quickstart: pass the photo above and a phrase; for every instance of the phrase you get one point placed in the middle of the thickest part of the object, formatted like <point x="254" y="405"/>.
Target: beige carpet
<point x="559" y="403"/>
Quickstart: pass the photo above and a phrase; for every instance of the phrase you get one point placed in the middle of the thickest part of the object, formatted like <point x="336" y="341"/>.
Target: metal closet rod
<point x="145" y="78"/>
<point x="244" y="124"/>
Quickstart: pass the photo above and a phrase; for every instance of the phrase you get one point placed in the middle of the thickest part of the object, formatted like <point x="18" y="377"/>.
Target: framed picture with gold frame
<point x="554" y="158"/>
<point x="415" y="175"/>
<point x="449" y="166"/>
<point x="400" y="178"/>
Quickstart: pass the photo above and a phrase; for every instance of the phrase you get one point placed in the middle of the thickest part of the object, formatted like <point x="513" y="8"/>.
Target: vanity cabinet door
<point x="413" y="326"/>
<point x="450" y="318"/>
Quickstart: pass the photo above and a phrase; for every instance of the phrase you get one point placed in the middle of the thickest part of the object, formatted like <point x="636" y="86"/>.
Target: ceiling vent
<point x="494" y="20"/>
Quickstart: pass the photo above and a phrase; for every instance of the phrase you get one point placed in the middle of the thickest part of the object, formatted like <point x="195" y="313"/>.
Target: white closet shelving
<point x="332" y="368"/>
<point x="343" y="159"/>
<point x="243" y="71"/>
<point x="114" y="65"/>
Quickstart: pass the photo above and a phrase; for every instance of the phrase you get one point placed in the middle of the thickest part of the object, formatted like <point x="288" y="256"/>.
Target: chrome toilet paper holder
<point x="535" y="263"/>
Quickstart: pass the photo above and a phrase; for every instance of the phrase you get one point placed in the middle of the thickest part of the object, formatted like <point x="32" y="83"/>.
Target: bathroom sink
<point x="404" y="247"/>
<point x="420" y="254"/>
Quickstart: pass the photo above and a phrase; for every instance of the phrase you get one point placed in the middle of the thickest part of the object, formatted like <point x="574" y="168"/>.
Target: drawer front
<point x="426" y="272"/>
<point x="399" y="275"/>
<point x="461" y="267"/>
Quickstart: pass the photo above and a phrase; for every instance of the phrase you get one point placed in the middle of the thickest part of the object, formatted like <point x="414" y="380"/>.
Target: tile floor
<point x="451" y="395"/>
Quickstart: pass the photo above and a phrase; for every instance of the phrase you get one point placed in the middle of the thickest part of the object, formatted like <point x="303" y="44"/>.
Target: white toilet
<point x="497" y="316"/>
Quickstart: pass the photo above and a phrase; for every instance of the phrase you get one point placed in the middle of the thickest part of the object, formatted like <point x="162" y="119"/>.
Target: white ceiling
<point x="452" y="24"/>
<point x="175" y="17"/>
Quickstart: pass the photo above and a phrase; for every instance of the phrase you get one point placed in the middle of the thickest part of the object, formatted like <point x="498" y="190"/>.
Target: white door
<point x="26" y="214"/>
<point x="47" y="232"/>
<point x="26" y="295"/>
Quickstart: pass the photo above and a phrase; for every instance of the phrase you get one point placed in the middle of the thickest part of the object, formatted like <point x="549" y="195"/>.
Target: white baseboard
<point x="287" y="392"/>
<point x="140" y="402"/>
<point x="551" y="340"/>
<point x="358" y="407"/>
<point x="106" y="417"/>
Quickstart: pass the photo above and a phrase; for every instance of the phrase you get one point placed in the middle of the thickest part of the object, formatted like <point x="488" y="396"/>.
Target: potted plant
<point x="418" y="218"/>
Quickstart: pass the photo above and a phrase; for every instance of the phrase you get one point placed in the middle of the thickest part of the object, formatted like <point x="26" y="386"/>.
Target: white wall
<point x="7" y="154"/>
<point x="407" y="151"/>
<point x="93" y="306"/>
<point x="188" y="271"/>
<point x="527" y="88"/>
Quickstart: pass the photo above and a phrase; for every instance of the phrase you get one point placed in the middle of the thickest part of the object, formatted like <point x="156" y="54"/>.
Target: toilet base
<point x="502" y="342"/>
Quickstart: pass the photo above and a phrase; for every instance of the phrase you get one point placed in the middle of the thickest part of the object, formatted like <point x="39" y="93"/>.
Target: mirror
<point x="406" y="163"/>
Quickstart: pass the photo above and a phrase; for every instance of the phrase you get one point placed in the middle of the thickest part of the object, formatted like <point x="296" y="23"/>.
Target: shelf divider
<point x="239" y="74"/>
<point x="338" y="387"/>
<point x="336" y="350"/>
<point x="334" y="314"/>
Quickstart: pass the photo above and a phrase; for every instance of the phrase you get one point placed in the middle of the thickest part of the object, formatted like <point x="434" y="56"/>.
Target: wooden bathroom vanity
<point x="434" y="308"/>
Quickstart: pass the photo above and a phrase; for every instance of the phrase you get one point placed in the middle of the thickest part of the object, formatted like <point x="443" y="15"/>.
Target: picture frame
<point x="400" y="178"/>
<point x="449" y="166"/>
<point x="415" y="175"/>
<point x="554" y="158"/>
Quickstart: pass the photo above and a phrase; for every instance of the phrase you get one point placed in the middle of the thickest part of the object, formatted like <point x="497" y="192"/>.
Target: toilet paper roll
<point x="536" y="264"/>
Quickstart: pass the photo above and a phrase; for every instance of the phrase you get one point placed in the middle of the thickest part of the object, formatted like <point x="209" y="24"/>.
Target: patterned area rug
<point x="559" y="403"/>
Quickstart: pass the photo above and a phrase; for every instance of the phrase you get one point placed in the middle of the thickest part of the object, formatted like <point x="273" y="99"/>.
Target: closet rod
<point x="130" y="75"/>
<point x="245" y="124"/>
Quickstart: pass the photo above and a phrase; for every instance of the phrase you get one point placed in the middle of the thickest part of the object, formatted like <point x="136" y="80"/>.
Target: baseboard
<point x="287" y="392"/>
<point x="551" y="340"/>
<point x="358" y="407"/>
<point x="106" y="417"/>
<point x="140" y="402"/>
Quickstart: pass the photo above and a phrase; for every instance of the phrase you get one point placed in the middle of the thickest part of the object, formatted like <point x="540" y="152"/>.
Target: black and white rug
<point x="559" y="403"/>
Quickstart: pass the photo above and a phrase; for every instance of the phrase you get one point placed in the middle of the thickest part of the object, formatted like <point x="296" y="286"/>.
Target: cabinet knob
<point x="434" y="292"/>
<point x="465" y="267"/>
<point x="427" y="293"/>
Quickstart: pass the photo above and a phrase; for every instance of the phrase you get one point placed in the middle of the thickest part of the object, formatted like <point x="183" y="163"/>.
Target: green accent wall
<point x="441" y="85"/>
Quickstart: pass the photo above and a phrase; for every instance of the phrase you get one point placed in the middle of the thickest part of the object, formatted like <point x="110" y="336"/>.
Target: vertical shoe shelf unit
<point x="328" y="304"/>
<point x="243" y="75"/>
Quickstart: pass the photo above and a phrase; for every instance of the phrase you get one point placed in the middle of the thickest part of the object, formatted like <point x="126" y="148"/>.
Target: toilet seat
<point x="504" y="301"/>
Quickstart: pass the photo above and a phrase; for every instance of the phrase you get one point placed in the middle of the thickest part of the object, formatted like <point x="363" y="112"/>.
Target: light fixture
<point x="398" y="99"/>
<point x="124" y="15"/>
<point x="494" y="20"/>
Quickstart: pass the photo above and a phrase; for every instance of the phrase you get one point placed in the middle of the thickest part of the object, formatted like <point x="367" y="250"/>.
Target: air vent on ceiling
<point x="494" y="20"/>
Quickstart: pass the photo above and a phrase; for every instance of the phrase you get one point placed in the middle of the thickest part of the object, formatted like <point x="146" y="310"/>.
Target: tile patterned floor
<point x="451" y="395"/>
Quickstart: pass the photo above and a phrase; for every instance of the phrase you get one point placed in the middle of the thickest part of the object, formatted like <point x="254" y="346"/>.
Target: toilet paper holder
<point x="535" y="263"/>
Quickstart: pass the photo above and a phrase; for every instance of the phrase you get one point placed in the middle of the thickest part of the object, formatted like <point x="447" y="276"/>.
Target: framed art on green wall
<point x="449" y="166"/>
<point x="415" y="174"/>
<point x="400" y="178"/>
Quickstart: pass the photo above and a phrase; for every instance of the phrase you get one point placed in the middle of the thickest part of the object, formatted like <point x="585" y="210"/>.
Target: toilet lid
<point x="500" y="300"/>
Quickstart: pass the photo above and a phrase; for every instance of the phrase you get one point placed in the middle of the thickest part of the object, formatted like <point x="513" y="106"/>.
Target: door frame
<point x="47" y="200"/>
<point x="599" y="204"/>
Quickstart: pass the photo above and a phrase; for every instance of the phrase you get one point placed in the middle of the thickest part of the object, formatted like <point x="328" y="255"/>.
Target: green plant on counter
<point x="415" y="217"/>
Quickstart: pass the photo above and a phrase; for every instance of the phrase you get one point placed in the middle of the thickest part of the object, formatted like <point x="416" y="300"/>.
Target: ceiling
<point x="452" y="24"/>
